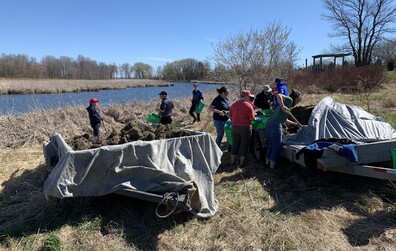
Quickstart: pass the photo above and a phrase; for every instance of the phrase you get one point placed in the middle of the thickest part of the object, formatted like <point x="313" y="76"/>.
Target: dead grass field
<point x="260" y="209"/>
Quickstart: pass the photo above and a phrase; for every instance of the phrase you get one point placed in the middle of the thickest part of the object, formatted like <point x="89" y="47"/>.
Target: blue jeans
<point x="95" y="128"/>
<point x="274" y="133"/>
<point x="219" y="125"/>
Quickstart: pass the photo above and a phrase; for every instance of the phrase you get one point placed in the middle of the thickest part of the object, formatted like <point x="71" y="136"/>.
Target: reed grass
<point x="48" y="86"/>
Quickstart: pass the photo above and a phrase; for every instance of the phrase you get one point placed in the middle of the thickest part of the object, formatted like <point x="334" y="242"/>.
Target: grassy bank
<point x="47" y="86"/>
<point x="260" y="209"/>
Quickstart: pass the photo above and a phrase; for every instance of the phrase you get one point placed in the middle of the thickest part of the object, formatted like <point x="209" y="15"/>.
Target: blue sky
<point x="151" y="31"/>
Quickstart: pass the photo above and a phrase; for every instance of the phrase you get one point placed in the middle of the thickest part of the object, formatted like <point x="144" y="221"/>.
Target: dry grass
<point x="24" y="86"/>
<point x="260" y="209"/>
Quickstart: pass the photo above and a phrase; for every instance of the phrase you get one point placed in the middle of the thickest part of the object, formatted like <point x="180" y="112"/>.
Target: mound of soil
<point x="132" y="131"/>
<point x="302" y="114"/>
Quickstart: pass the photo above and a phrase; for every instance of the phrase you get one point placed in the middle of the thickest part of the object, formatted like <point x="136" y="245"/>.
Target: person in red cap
<point x="241" y="114"/>
<point x="94" y="116"/>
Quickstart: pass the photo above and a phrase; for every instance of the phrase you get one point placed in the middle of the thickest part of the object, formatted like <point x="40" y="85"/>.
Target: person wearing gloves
<point x="241" y="114"/>
<point x="196" y="98"/>
<point x="273" y="129"/>
<point x="94" y="116"/>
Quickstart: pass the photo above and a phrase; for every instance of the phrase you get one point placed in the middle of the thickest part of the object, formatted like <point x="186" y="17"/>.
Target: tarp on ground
<point x="157" y="166"/>
<point x="330" y="119"/>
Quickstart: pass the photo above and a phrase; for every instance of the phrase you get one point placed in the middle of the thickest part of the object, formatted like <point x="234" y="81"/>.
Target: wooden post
<point x="313" y="65"/>
<point x="320" y="64"/>
<point x="334" y="62"/>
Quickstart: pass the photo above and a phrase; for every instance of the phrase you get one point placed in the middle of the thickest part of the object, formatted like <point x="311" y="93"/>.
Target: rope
<point x="165" y="198"/>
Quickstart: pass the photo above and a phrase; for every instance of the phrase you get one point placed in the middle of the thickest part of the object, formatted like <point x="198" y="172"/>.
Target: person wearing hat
<point x="264" y="99"/>
<point x="94" y="116"/>
<point x="241" y="114"/>
<point x="279" y="92"/>
<point x="165" y="109"/>
<point x="196" y="98"/>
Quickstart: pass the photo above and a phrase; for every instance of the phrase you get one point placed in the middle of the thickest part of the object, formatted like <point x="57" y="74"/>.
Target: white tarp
<point x="157" y="166"/>
<point x="330" y="119"/>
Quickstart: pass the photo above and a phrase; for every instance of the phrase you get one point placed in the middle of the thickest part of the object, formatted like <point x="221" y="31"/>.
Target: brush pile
<point x="132" y="131"/>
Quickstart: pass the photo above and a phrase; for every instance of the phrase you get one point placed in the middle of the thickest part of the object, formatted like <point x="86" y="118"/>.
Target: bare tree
<point x="361" y="23"/>
<point x="385" y="51"/>
<point x="66" y="65"/>
<point x="253" y="57"/>
<point x="142" y="70"/>
<point x="52" y="67"/>
<point x="125" y="70"/>
<point x="158" y="73"/>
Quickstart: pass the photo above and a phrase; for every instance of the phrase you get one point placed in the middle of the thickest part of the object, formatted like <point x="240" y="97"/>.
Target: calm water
<point x="17" y="104"/>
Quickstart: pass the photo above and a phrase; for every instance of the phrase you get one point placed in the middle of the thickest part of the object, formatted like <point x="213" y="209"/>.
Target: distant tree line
<point x="186" y="70"/>
<point x="23" y="66"/>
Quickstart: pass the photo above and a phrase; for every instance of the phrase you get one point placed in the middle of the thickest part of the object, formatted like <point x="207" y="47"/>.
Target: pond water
<point x="17" y="104"/>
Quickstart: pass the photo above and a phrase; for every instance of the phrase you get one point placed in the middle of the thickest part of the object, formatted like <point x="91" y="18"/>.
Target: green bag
<point x="260" y="125"/>
<point x="153" y="118"/>
<point x="200" y="106"/>
<point x="228" y="131"/>
<point x="267" y="112"/>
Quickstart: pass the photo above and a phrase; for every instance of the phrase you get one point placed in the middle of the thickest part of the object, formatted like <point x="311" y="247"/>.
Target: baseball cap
<point x="93" y="100"/>
<point x="246" y="93"/>
<point x="195" y="84"/>
<point x="163" y="93"/>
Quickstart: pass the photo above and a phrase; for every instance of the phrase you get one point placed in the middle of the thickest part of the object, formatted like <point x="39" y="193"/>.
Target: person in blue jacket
<point x="280" y="90"/>
<point x="94" y="116"/>
<point x="196" y="98"/>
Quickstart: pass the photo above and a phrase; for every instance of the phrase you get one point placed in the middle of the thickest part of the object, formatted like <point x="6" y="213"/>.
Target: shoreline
<point x="56" y="86"/>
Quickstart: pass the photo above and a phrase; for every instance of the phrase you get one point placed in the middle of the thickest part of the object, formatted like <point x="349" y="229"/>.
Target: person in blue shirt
<point x="165" y="109"/>
<point x="280" y="90"/>
<point x="220" y="106"/>
<point x="94" y="116"/>
<point x="196" y="98"/>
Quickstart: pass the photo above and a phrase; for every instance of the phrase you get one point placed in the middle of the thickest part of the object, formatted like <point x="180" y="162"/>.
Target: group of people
<point x="164" y="110"/>
<point x="241" y="113"/>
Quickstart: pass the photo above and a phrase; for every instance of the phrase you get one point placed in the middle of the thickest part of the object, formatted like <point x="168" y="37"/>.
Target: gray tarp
<point x="156" y="166"/>
<point x="330" y="119"/>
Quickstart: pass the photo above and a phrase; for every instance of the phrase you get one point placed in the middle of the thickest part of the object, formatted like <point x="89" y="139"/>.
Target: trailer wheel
<point x="256" y="147"/>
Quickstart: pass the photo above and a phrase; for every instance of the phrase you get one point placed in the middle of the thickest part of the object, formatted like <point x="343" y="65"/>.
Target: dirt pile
<point x="302" y="113"/>
<point x="132" y="131"/>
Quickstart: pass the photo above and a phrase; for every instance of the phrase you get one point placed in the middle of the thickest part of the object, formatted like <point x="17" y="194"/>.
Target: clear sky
<point x="151" y="31"/>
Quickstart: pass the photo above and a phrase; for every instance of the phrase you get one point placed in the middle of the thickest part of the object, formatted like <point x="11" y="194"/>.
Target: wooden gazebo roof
<point x="331" y="55"/>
